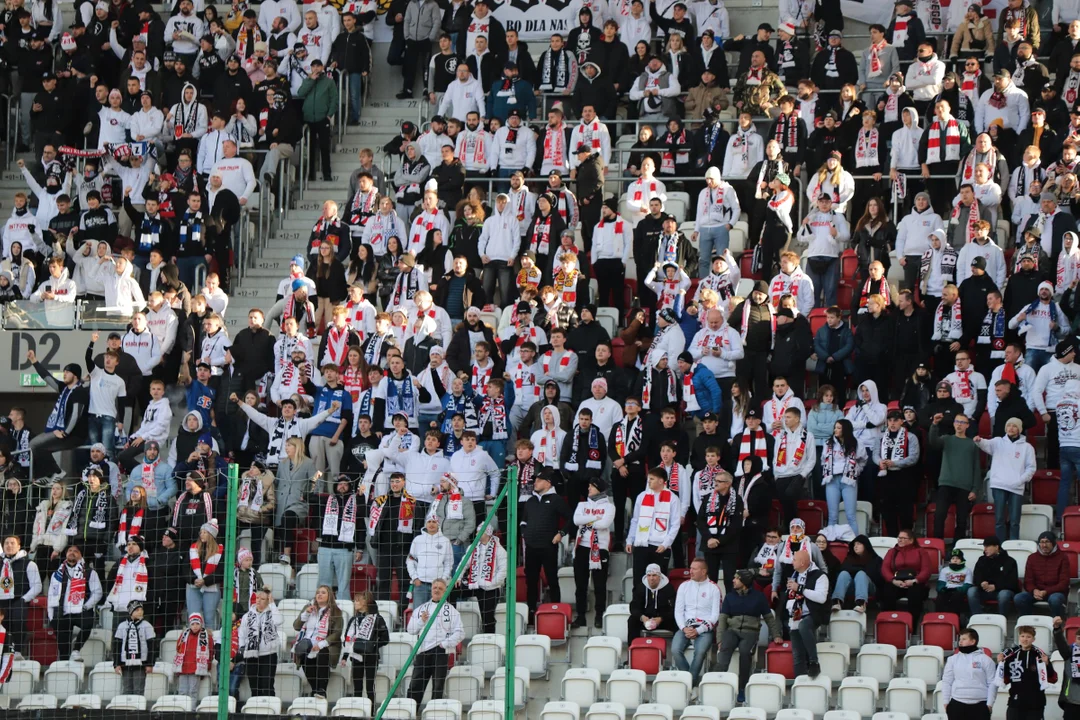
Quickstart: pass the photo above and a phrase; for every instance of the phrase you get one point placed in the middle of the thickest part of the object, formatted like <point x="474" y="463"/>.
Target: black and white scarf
<point x="96" y="504"/>
<point x="560" y="67"/>
<point x="132" y="648"/>
<point x="493" y="410"/>
<point x="261" y="631"/>
<point x="992" y="333"/>
<point x="593" y="461"/>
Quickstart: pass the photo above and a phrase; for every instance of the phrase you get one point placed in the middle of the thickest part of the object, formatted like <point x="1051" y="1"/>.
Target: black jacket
<point x="793" y="347"/>
<point x="846" y="69"/>
<point x="1013" y="406"/>
<point x="653" y="603"/>
<point x="999" y="570"/>
<point x="590" y="177"/>
<point x="544" y="516"/>
<point x="253" y="352"/>
<point x="459" y="352"/>
<point x="728" y="541"/>
<point x="351" y="52"/>
<point x="474" y="290"/>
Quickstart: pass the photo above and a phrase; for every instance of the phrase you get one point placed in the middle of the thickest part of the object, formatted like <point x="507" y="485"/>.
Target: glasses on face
<point x="960" y="422"/>
<point x="904" y="538"/>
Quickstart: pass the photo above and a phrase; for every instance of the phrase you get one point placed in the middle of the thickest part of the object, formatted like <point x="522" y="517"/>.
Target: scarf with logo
<point x="655" y="512"/>
<point x="482" y="563"/>
<point x="992" y="333"/>
<point x="689" y="394"/>
<point x="137" y="569"/>
<point x="787" y="132"/>
<point x="400" y="399"/>
<point x="894" y="445"/>
<point x="782" y="448"/>
<point x="554" y="144"/>
<point x="719" y="524"/>
<point x="832" y="447"/>
<point x="950" y="327"/>
<point x="952" y="141"/>
<point x="202" y="651"/>
<point x="971" y="219"/>
<point x="406" y="512"/>
<point x="340" y="522"/>
<point x="593" y="461"/>
<point x="493" y="410"/>
<point x="131" y="522"/>
<point x="866" y="148"/>
<point x="627" y="442"/>
<point x="877" y="48"/>
<point x="540" y="242"/>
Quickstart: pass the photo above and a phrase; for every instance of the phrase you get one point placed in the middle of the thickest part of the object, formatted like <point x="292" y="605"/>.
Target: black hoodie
<point x="597" y="91"/>
<point x="999" y="570"/>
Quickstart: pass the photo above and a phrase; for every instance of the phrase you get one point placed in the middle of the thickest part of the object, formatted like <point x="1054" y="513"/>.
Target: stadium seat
<point x="603" y="653"/>
<point x="97" y="647"/>
<point x="135" y="703"/>
<point x="262" y="706"/>
<point x="465" y="683"/>
<point x="23" y="679"/>
<point x="877" y="661"/>
<point x="925" y="662"/>
<point x="719" y="690"/>
<point x="847" y="627"/>
<point x="940" y="629"/>
<point x="841" y="715"/>
<point x="934" y="548"/>
<point x="522" y="618"/>
<point x="815" y="514"/>
<point x="647" y="655"/>
<point x="400" y="709"/>
<point x="182" y="703"/>
<point x="388" y="609"/>
<point x="521" y="686"/>
<point x="882" y="544"/>
<point x="1035" y="520"/>
<point x="553" y="621"/>
<point x="307" y="582"/>
<point x="277" y="576"/>
<point x="950" y="519"/>
<point x="906" y="695"/>
<point x="992" y="630"/>
<point x="82" y="702"/>
<point x="157" y="682"/>
<point x="672" y="687"/>
<point x="444" y="710"/>
<point x="971" y="547"/>
<point x="1071" y="551"/>
<point x="1044" y="630"/>
<point x="1020" y="550"/>
<point x="982" y="520"/>
<point x="532" y="652"/>
<point x="628" y="686"/>
<point x="471" y="620"/>
<point x="485" y="650"/>
<point x="700" y="712"/>
<point x="208" y="705"/>
<point x="38" y="702"/>
<point x="891" y="716"/>
<point x="289" y="682"/>
<point x="779" y="660"/>
<point x="747" y="713"/>
<point x="606" y="711"/>
<point x="834" y="659"/>
<point x="104" y="682"/>
<point x="813" y="694"/>
<point x="794" y="714"/>
<point x="1044" y="488"/>
<point x="893" y="628"/>
<point x="653" y="711"/>
<point x="1000" y="709"/>
<point x="396" y="652"/>
<point x="568" y="589"/>
<point x="63" y="678"/>
<point x="352" y="707"/>
<point x="1070" y="523"/>
<point x="581" y="685"/>
<point x="312" y="706"/>
<point x="615" y="619"/>
<point x="858" y="694"/>
<point x="486" y="710"/>
<point x="766" y="691"/>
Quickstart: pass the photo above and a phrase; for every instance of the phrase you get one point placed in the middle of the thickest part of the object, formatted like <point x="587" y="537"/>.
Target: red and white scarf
<point x="689" y="394"/>
<point x="962" y="385"/>
<point x="590" y="133"/>
<point x="952" y="141"/>
<point x="969" y="85"/>
<point x="850" y="476"/>
<point x="406" y="513"/>
<point x="564" y="361"/>
<point x="480" y="378"/>
<point x="333" y="511"/>
<point x="289" y="311"/>
<point x="637" y="192"/>
<point x="130" y="524"/>
<point x="876" y="50"/>
<point x="200" y="568"/>
<point x="972" y="217"/>
<point x="140" y="576"/>
<point x="337" y="344"/>
<point x="554" y="145"/>
<point x="669" y="157"/>
<point x="970" y="161"/>
<point x="549" y="446"/>
<point x="149" y="480"/>
<point x="355" y="314"/>
<point x="782" y="449"/>
<point x="655" y="512"/>
<point x="866" y="148"/>
<point x="482" y="563"/>
<point x="202" y="651"/>
<point x="540" y="242"/>
<point x="519" y="377"/>
<point x="752" y="442"/>
<point x="787" y="131"/>
<point x="566" y="285"/>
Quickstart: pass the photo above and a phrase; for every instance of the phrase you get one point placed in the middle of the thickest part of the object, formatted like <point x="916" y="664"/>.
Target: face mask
<point x="926" y="58"/>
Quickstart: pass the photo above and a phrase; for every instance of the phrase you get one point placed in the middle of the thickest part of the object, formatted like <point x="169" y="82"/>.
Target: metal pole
<point x="511" y="589"/>
<point x="461" y="568"/>
<point x="227" y="593"/>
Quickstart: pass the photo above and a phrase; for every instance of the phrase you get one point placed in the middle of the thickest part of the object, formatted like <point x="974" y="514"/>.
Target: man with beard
<point x="941" y="148"/>
<point x="834" y="66"/>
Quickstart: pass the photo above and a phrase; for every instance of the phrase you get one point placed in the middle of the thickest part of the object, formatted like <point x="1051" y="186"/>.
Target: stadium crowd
<point x="376" y="413"/>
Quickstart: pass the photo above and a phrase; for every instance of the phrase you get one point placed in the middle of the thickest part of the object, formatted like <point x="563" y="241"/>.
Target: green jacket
<point x="959" y="461"/>
<point x="320" y="98"/>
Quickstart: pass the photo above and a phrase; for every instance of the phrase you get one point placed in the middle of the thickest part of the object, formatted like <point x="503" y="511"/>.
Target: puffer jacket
<point x="743" y="611"/>
<point x="1047" y="572"/>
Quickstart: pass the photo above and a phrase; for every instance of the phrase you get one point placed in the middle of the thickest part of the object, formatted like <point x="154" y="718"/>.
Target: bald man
<point x="806" y="591"/>
<point x="718" y="346"/>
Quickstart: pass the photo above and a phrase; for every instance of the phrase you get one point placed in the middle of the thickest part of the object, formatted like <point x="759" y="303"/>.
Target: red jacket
<point x="1047" y="572"/>
<point x="909" y="558"/>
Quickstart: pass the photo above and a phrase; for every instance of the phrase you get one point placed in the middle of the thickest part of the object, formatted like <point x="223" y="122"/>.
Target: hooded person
<point x="1046" y="578"/>
<point x="652" y="605"/>
<point x="954" y="580"/>
<point x="188" y="119"/>
<point x="797" y="541"/>
<point x="548" y="441"/>
<point x="596" y="88"/>
<point x="486" y="573"/>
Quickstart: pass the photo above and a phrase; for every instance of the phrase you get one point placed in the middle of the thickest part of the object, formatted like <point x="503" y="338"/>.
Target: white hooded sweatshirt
<point x="548" y="444"/>
<point x="500" y="239"/>
<point x="905" y="143"/>
<point x="870" y="414"/>
<point x="121" y="290"/>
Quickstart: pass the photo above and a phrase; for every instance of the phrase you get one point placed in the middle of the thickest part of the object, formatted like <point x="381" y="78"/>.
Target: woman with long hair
<point x="331" y="288"/>
<point x="832" y="179"/>
<point x="435" y="258"/>
<point x="363" y="267"/>
<point x="204" y="561"/>
<point x="318" y="643"/>
<point x="875" y="236"/>
<point x="643" y="148"/>
<point x="843" y="458"/>
<point x="760" y="178"/>
<point x="242" y="126"/>
<point x="388" y="269"/>
<point x="48" y="539"/>
<point x="832" y="563"/>
<point x="678" y="61"/>
<point x="861" y="568"/>
<point x="295" y="478"/>
<point x="354" y="373"/>
<point x="542" y="237"/>
<point x="132" y="517"/>
<point x="820" y="421"/>
<point x="365" y="635"/>
<point x="740" y="405"/>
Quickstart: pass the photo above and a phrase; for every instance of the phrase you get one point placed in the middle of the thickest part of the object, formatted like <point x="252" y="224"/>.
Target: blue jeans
<point x="204" y="603"/>
<point x="1037" y="358"/>
<point x="459" y="553"/>
<point x="712" y="238"/>
<point x="336" y="564"/>
<point x="824" y="282"/>
<point x="496" y="449"/>
<point x="1069" y="458"/>
<point x="976" y="598"/>
<point x="864" y="586"/>
<point x="1025" y="604"/>
<point x="835" y="489"/>
<point x="356" y="87"/>
<point x="421" y="594"/>
<point x="701" y="644"/>
<point x="236" y="676"/>
<point x="102" y="429"/>
<point x="187" y="266"/>
<point x="1011" y="503"/>
<point x="425" y="422"/>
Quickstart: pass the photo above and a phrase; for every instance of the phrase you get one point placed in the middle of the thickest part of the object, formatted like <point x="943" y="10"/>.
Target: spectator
<point x="318" y="645"/>
<point x="970" y="678"/>
<point x="697" y="612"/>
<point x="994" y="578"/>
<point x="1045" y="578"/>
<point x="806" y="594"/>
<point x="74" y="591"/>
<point x="365" y="635"/>
<point x="258" y="642"/>
<point x="443" y="637"/>
<point x="906" y="573"/>
<point x="1011" y="469"/>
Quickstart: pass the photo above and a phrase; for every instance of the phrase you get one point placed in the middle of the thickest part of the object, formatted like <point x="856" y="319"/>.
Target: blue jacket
<point x="820" y="421"/>
<point x="689" y="324"/>
<point x="707" y="391"/>
<point x="164" y="479"/>
<point x="498" y="106"/>
<point x="843" y="343"/>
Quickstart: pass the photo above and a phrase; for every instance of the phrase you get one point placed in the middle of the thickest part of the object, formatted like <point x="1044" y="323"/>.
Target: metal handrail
<point x="343" y="104"/>
<point x="305" y="150"/>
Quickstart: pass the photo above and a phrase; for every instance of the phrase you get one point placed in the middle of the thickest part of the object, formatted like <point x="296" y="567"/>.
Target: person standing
<point x="739" y="626"/>
<point x="806" y="593"/>
<point x="960" y="474"/>
<point x="318" y="644"/>
<point x="444" y="636"/>
<point x="486" y="574"/>
<point x="338" y="537"/>
<point x="540" y="530"/>
<point x="257" y="642"/>
<point x="719" y="517"/>
<point x="970" y="679"/>
<point x="390" y="529"/>
<point x="133" y="655"/>
<point x="421" y="25"/>
<point x="430" y="558"/>
<point x="74" y="591"/>
<point x="593" y="519"/>
<point x="365" y="635"/>
<point x="320" y="103"/>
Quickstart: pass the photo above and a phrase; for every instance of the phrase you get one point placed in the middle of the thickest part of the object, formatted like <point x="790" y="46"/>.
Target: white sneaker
<point x="76" y="656"/>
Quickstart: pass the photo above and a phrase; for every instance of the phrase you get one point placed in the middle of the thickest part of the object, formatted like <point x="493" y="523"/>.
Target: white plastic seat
<point x="700" y="712"/>
<point x="934" y="716"/>
<point x="882" y="544"/>
<point x="841" y="715"/>
<point x="1044" y="630"/>
<point x="719" y="690"/>
<point x="878" y="661"/>
<point x="521" y="686"/>
<point x="766" y="691"/>
<point x="834" y="659"/>
<point x="1000" y="711"/>
<point x="486" y="710"/>
<point x="465" y="683"/>
<point x="606" y="711"/>
<point x="262" y="706"/>
<point x="209" y="705"/>
<point x="38" y="702"/>
<point x="24" y="677"/>
<point x="63" y="678"/>
<point x="104" y="682"/>
<point x="812" y="694"/>
<point x="532" y="652"/>
<point x="795" y="714"/>
<point x="561" y="710"/>
<point x="135" y="702"/>
<point x="673" y="687"/>
<point x="567" y="588"/>
<point x="396" y="652"/>
<point x="608" y="317"/>
<point x="603" y="652"/>
<point x="441" y="710"/>
<point x="313" y="706"/>
<point x="289" y="683"/>
<point x="522" y="610"/>
<point x="924" y="662"/>
<point x="653" y="711"/>
<point x="1034" y="521"/>
<point x="992" y="629"/>
<point x="469" y="610"/>
<point x="972" y="549"/>
<point x="747" y="713"/>
<point x="615" y="619"/>
<point x="384" y="680"/>
<point x="353" y="707"/>
<point x="847" y="627"/>
<point x="582" y="685"/>
<point x="86" y="701"/>
<point x="277" y="576"/>
<point x="906" y="695"/>
<point x="891" y="716"/>
<point x="1020" y="550"/>
<point x="168" y="646"/>
<point x="307" y="582"/>
<point x="485" y="650"/>
<point x="96" y="648"/>
<point x="157" y="682"/>
<point x="182" y="703"/>
<point x="628" y="686"/>
<point x="859" y="694"/>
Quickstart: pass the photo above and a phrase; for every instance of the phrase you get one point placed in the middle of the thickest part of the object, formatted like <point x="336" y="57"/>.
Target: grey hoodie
<point x="422" y="20"/>
<point x="459" y="530"/>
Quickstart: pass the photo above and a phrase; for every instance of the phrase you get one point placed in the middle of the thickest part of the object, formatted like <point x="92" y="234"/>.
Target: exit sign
<point x="31" y="379"/>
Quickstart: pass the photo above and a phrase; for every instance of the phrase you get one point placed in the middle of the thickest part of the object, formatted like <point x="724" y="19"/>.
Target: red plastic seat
<point x="839" y="550"/>
<point x="677" y="577"/>
<point x="982" y="520"/>
<point x="1070" y="523"/>
<point x="746" y="261"/>
<point x="304" y="546"/>
<point x="986" y="428"/>
<point x="1044" y="487"/>
<point x="779" y="659"/>
<point x="934" y="548"/>
<point x="647" y="654"/>
<point x="520" y="589"/>
<point x="776" y="513"/>
<point x="940" y="630"/>
<point x="893" y="628"/>
<point x="363" y="578"/>
<point x="815" y="514"/>
<point x="1071" y="550"/>
<point x="553" y="620"/>
<point x="849" y="266"/>
<point x="1072" y="625"/>
<point x="950" y="520"/>
<point x="817" y="320"/>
